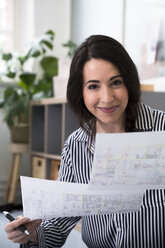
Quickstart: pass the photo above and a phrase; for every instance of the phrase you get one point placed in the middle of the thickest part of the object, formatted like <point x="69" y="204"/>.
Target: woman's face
<point x="105" y="95"/>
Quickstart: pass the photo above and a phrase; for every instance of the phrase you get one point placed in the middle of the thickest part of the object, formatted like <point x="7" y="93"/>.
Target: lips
<point x="108" y="109"/>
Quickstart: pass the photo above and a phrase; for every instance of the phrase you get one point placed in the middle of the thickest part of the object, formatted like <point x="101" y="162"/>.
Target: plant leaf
<point x="50" y="66"/>
<point x="47" y="43"/>
<point x="7" y="56"/>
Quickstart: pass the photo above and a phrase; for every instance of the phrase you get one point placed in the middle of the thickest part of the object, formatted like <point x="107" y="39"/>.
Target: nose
<point x="106" y="95"/>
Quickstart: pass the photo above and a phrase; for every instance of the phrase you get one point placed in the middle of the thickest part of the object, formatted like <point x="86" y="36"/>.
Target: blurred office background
<point x="138" y="24"/>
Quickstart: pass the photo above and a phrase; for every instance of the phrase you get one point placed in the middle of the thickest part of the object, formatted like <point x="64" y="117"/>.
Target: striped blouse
<point x="142" y="229"/>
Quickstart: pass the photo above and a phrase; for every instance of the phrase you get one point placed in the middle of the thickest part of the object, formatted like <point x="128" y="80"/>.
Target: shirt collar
<point x="82" y="136"/>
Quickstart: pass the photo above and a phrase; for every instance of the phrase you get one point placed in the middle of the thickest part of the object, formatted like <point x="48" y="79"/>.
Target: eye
<point x="93" y="86"/>
<point x="116" y="82"/>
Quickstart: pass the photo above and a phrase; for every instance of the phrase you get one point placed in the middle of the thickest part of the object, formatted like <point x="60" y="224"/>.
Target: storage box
<point x="55" y="165"/>
<point x="39" y="167"/>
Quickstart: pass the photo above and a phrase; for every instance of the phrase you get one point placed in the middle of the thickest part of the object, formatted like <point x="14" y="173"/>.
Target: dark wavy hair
<point x="106" y="48"/>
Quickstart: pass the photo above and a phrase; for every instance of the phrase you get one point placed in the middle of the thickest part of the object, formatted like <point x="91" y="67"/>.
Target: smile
<point x="109" y="109"/>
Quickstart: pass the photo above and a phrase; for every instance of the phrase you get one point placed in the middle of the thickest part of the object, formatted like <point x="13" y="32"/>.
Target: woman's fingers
<point x="16" y="223"/>
<point x="17" y="236"/>
<point x="20" y="240"/>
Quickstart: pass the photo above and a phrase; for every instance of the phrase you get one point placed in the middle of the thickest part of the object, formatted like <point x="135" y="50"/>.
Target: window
<point x="6" y="28"/>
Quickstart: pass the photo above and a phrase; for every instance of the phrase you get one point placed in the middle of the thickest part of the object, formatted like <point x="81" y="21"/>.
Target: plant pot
<point x="20" y="133"/>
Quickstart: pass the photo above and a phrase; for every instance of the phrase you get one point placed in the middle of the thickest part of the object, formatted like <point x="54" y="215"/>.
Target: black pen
<point x="11" y="218"/>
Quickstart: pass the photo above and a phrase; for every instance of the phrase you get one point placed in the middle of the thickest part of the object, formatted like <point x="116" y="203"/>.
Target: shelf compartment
<point x="54" y="129"/>
<point x="37" y="128"/>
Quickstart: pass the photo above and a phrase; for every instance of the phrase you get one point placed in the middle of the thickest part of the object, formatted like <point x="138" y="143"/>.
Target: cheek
<point x="89" y="99"/>
<point x="86" y="96"/>
<point x="125" y="94"/>
<point x="88" y="102"/>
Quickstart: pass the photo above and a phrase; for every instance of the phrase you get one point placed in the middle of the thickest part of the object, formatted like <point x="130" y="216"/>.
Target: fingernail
<point x="25" y="219"/>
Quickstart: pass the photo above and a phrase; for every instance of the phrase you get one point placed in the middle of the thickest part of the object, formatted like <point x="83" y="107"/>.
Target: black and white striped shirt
<point x="142" y="229"/>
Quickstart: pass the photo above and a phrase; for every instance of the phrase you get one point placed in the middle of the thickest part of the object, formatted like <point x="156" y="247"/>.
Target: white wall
<point x="23" y="24"/>
<point x="97" y="17"/>
<point x="55" y="15"/>
<point x="34" y="17"/>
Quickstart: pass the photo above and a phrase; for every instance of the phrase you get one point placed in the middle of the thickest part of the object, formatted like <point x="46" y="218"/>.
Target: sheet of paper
<point x="125" y="165"/>
<point x="127" y="160"/>
<point x="47" y="199"/>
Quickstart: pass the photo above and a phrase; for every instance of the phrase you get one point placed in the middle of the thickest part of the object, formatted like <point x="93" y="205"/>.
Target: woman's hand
<point x="16" y="236"/>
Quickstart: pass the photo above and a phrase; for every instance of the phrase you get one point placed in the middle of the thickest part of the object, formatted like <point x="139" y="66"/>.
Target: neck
<point x="112" y="128"/>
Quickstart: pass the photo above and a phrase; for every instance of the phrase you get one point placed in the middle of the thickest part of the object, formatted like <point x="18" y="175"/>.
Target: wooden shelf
<point x="51" y="100"/>
<point x="45" y="155"/>
<point x="51" y="122"/>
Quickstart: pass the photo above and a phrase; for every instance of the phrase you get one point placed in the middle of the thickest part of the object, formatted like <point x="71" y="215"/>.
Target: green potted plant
<point x="30" y="84"/>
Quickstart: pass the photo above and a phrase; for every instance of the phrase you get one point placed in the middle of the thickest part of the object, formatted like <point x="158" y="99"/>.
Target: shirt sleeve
<point x="54" y="232"/>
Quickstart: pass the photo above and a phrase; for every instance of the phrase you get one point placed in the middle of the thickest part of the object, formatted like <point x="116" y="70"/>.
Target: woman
<point x="104" y="92"/>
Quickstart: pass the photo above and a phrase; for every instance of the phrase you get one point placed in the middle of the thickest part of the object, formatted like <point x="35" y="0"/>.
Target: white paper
<point x="47" y="199"/>
<point x="127" y="160"/>
<point x="124" y="166"/>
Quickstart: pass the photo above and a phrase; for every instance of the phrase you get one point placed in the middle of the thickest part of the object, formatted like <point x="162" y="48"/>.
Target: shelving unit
<point x="51" y="122"/>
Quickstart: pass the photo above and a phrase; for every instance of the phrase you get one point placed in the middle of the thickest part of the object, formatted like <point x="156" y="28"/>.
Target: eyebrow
<point x="97" y="81"/>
